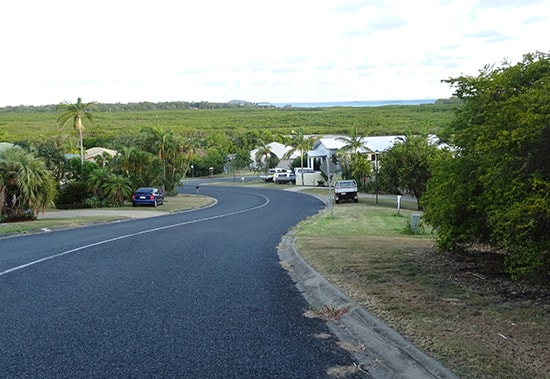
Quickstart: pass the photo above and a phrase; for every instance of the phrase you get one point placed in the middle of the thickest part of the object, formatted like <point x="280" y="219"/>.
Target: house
<point x="93" y="152"/>
<point x="329" y="145"/>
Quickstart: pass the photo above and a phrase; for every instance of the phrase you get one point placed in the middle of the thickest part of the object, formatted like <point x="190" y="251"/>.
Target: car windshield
<point x="345" y="184"/>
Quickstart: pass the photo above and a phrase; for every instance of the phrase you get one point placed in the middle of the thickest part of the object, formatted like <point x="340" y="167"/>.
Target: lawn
<point x="463" y="310"/>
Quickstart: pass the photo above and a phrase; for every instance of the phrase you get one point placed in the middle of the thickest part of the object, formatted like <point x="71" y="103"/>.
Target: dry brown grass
<point x="464" y="311"/>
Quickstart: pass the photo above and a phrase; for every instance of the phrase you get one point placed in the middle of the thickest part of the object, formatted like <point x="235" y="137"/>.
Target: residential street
<point x="194" y="294"/>
<point x="197" y="294"/>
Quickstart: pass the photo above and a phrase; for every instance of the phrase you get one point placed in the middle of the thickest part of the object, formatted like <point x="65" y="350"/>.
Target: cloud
<point x="376" y="25"/>
<point x="489" y="36"/>
<point x="506" y="3"/>
<point x="310" y="50"/>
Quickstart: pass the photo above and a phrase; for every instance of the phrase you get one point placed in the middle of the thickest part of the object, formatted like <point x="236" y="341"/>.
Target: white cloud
<point x="214" y="50"/>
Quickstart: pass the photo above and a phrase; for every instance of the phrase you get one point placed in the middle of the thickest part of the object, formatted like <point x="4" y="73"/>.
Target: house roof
<point x="5" y="145"/>
<point x="329" y="145"/>
<point x="95" y="151"/>
<point x="380" y="143"/>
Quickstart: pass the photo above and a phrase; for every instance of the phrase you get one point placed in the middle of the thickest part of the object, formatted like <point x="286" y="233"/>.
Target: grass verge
<point x="463" y="310"/>
<point x="80" y="217"/>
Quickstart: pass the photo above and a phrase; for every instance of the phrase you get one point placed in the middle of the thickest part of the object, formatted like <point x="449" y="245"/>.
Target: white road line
<point x="135" y="234"/>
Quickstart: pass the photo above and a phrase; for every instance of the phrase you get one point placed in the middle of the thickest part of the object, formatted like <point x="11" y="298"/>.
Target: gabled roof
<point x="380" y="143"/>
<point x="95" y="151"/>
<point x="330" y="144"/>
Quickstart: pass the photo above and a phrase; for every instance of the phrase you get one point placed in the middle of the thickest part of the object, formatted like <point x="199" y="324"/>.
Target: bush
<point x="29" y="216"/>
<point x="73" y="195"/>
<point x="96" y="202"/>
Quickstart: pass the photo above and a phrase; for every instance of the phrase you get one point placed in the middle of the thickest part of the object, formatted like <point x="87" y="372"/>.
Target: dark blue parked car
<point x="147" y="196"/>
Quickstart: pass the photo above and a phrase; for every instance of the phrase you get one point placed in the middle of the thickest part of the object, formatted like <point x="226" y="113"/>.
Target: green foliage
<point x="73" y="114"/>
<point x="299" y="143"/>
<point x="73" y="195"/>
<point x="26" y="185"/>
<point x="265" y="158"/>
<point x="117" y="188"/>
<point x="244" y="124"/>
<point x="96" y="202"/>
<point x="495" y="190"/>
<point x="242" y="159"/>
<point x="406" y="167"/>
<point x="353" y="164"/>
<point x="212" y="158"/>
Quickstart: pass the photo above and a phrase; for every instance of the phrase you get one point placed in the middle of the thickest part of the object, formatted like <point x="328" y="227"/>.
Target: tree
<point x="242" y="159"/>
<point x="264" y="156"/>
<point x="97" y="180"/>
<point x="301" y="144"/>
<point x="26" y="185"/>
<point x="73" y="113"/>
<point x="117" y="188"/>
<point x="495" y="189"/>
<point x="353" y="166"/>
<point x="353" y="143"/>
<point x="406" y="165"/>
<point x="211" y="158"/>
<point x="178" y="157"/>
<point x="53" y="150"/>
<point x="361" y="170"/>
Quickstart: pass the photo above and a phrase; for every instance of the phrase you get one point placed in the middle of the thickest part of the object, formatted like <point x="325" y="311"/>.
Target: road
<point x="196" y="294"/>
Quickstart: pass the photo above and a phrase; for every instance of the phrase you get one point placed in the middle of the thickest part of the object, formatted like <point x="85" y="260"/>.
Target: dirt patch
<point x="462" y="309"/>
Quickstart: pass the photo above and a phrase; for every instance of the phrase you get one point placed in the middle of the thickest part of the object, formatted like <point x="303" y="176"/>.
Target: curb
<point x="380" y="351"/>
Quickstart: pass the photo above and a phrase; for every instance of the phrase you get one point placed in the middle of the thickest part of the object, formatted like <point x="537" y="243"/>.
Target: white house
<point x="93" y="152"/>
<point x="329" y="145"/>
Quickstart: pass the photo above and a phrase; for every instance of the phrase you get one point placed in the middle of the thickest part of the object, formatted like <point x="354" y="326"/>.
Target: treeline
<point x="144" y="106"/>
<point x="109" y="123"/>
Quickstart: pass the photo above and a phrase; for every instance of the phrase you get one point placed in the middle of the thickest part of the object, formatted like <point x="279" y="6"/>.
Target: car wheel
<point x="134" y="205"/>
<point x="155" y="204"/>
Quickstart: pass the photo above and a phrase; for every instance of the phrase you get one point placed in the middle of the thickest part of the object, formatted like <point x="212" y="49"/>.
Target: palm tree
<point x="301" y="144"/>
<point x="264" y="154"/>
<point x="25" y="183"/>
<point x="73" y="113"/>
<point x="117" y="188"/>
<point x="97" y="180"/>
<point x="354" y="142"/>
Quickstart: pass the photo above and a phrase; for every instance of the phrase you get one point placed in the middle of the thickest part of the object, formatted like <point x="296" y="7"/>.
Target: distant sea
<point x="371" y="103"/>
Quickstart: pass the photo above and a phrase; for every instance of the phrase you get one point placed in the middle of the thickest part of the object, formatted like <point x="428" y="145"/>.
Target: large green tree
<point x="495" y="189"/>
<point x="73" y="114"/>
<point x="173" y="152"/>
<point x="406" y="166"/>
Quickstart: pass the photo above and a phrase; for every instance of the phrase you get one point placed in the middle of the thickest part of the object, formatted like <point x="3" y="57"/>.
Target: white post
<point x="398" y="203"/>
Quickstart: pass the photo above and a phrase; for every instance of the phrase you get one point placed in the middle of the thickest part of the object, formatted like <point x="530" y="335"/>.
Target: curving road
<point x="197" y="295"/>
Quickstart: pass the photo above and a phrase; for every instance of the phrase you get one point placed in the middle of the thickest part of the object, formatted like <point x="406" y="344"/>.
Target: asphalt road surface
<point x="191" y="295"/>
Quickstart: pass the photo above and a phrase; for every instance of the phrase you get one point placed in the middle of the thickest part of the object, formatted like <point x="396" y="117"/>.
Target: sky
<point x="122" y="51"/>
